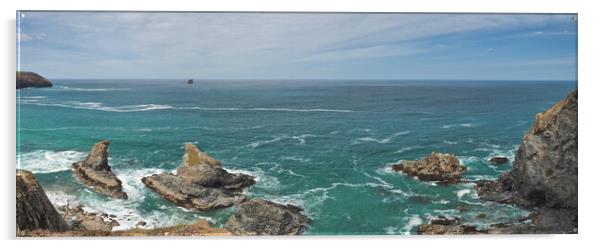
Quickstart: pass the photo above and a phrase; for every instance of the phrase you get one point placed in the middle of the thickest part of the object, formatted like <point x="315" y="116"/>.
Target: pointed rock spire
<point x="96" y="173"/>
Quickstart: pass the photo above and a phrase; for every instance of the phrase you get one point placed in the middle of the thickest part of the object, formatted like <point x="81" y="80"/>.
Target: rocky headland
<point x="543" y="178"/>
<point x="200" y="182"/>
<point x="27" y="79"/>
<point x="261" y="217"/>
<point x="544" y="174"/>
<point x="442" y="167"/>
<point x="96" y="173"/>
<point x="34" y="209"/>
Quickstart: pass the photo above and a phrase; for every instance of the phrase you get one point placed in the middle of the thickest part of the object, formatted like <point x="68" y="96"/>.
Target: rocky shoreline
<point x="543" y="179"/>
<point x="200" y="184"/>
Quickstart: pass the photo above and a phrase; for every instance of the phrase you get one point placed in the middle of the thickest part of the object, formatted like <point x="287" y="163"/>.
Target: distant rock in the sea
<point x="30" y="79"/>
<point x="34" y="209"/>
<point x="436" y="167"/>
<point x="544" y="173"/>
<point x="498" y="160"/>
<point x="96" y="173"/>
<point x="261" y="217"/>
<point x="200" y="183"/>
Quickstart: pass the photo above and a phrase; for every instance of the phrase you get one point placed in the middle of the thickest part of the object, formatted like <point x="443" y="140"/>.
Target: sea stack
<point x="30" y="79"/>
<point x="96" y="173"/>
<point x="34" y="209"/>
<point x="436" y="167"/>
<point x="261" y="217"/>
<point x="544" y="173"/>
<point x="200" y="183"/>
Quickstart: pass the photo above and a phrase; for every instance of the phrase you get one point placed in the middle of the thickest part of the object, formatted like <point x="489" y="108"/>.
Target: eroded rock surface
<point x="200" y="183"/>
<point x="96" y="173"/>
<point x="436" y="167"/>
<point x="544" y="172"/>
<point x="261" y="217"/>
<point x="34" y="210"/>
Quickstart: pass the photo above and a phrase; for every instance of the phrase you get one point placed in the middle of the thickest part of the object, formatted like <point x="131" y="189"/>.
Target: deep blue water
<point x="323" y="145"/>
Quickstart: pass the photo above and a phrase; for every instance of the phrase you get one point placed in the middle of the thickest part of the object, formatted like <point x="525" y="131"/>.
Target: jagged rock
<point x="544" y="172"/>
<point x="261" y="217"/>
<point x="81" y="220"/>
<point x="498" y="160"/>
<point x="30" y="79"/>
<point x="200" y="183"/>
<point x="34" y="210"/>
<point x="454" y="226"/>
<point x="436" y="167"/>
<point x="96" y="173"/>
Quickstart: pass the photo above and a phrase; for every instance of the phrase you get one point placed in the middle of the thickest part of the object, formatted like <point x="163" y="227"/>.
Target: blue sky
<point x="298" y="46"/>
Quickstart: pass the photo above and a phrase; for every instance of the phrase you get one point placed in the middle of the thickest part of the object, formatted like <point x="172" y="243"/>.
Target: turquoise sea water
<point x="323" y="145"/>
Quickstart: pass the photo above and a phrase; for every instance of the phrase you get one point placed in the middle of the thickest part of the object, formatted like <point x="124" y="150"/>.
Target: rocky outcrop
<point x="436" y="167"/>
<point x="34" y="210"/>
<point x="454" y="226"/>
<point x="498" y="160"/>
<point x="544" y="172"/>
<point x="29" y="79"/>
<point x="80" y="220"/>
<point x="261" y="217"/>
<point x="200" y="183"/>
<point x="96" y="173"/>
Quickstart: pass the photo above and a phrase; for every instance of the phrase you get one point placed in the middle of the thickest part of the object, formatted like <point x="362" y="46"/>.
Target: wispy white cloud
<point x="237" y="44"/>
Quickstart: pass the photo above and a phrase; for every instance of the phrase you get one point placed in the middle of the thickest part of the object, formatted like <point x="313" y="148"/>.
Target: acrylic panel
<point x="296" y="123"/>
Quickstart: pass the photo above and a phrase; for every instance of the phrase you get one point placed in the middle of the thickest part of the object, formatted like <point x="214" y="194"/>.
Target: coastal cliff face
<point x="34" y="210"/>
<point x="30" y="79"/>
<point x="544" y="173"/>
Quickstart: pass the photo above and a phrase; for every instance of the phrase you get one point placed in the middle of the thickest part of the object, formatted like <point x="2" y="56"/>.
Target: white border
<point x="589" y="112"/>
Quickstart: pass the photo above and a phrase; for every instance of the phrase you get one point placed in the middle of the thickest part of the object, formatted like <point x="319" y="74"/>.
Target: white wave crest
<point x="68" y="88"/>
<point x="43" y="161"/>
<point x="95" y="105"/>
<point x="468" y="125"/>
<point x="269" y="109"/>
<point x="380" y="141"/>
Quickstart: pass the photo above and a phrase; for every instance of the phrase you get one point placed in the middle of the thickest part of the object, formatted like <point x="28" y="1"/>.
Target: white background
<point x="590" y="105"/>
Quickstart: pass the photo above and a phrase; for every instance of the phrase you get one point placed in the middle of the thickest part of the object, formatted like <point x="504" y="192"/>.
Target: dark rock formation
<point x="261" y="217"/>
<point x="436" y="167"/>
<point x="544" y="173"/>
<point x="497" y="160"/>
<point x="454" y="226"/>
<point x="96" y="173"/>
<point x="200" y="182"/>
<point x="34" y="210"/>
<point x="80" y="220"/>
<point x="29" y="79"/>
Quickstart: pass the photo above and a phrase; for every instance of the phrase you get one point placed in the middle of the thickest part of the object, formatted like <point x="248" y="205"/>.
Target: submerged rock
<point x="30" y="79"/>
<point x="96" y="173"/>
<point x="544" y="173"/>
<point x="34" y="209"/>
<point x="200" y="183"/>
<point x="261" y="217"/>
<point x="80" y="220"/>
<point x="497" y="160"/>
<point x="454" y="226"/>
<point x="436" y="167"/>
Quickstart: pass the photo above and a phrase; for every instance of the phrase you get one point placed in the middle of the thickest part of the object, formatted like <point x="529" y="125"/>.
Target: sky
<point x="298" y="45"/>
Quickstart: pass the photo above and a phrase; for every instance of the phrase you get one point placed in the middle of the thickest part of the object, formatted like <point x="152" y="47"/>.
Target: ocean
<point x="323" y="145"/>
